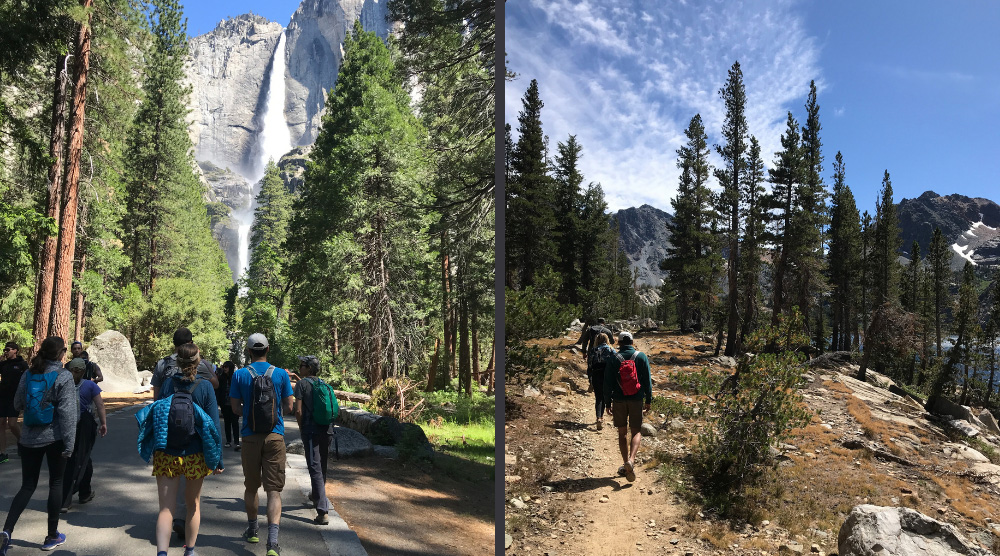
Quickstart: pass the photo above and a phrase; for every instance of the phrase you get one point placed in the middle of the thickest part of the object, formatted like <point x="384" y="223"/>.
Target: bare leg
<point x="14" y="427"/>
<point x="192" y="499"/>
<point x="166" y="488"/>
<point x="636" y="437"/>
<point x="623" y="443"/>
<point x="273" y="507"/>
<point x="251" y="502"/>
<point x="3" y="435"/>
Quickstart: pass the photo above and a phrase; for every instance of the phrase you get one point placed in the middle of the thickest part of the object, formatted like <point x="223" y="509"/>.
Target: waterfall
<point x="273" y="140"/>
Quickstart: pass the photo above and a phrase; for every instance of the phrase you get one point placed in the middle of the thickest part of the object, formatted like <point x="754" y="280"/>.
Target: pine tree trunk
<point x="63" y="283"/>
<point x="491" y="369"/>
<point x="475" y="348"/>
<point x="464" y="369"/>
<point x="432" y="370"/>
<point x="445" y="310"/>
<point x="57" y="144"/>
<point x="336" y="342"/>
<point x="734" y="309"/>
<point x="993" y="369"/>
<point x="78" y="336"/>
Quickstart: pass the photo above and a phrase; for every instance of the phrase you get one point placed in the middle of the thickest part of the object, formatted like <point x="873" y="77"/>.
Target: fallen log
<point x="352" y="396"/>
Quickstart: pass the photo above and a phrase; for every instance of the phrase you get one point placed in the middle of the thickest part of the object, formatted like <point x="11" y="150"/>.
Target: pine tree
<point x="568" y="205"/>
<point x="885" y="248"/>
<point x="810" y="218"/>
<point x="754" y="199"/>
<point x="939" y="258"/>
<point x="597" y="239"/>
<point x="965" y="320"/>
<point x="368" y="256"/>
<point x="693" y="253"/>
<point x="991" y="330"/>
<point x="786" y="174"/>
<point x="735" y="134"/>
<point x="911" y="290"/>
<point x="845" y="259"/>
<point x="530" y="215"/>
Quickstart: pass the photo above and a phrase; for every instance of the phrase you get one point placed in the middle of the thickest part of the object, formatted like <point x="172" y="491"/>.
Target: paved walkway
<point x="120" y="521"/>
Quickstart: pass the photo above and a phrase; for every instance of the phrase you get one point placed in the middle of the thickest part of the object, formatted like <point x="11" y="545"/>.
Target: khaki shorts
<point x="264" y="461"/>
<point x="627" y="413"/>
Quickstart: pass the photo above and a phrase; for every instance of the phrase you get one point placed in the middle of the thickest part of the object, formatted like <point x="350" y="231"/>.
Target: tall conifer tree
<point x="845" y="259"/>
<point x="939" y="259"/>
<point x="568" y="205"/>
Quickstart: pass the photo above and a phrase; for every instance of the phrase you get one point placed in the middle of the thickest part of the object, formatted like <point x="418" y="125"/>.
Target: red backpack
<point x="628" y="378"/>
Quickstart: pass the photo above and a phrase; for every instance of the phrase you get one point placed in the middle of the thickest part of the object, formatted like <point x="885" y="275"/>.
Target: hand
<point x="67" y="455"/>
<point x="645" y="407"/>
<point x="217" y="471"/>
<point x="103" y="430"/>
<point x="610" y="412"/>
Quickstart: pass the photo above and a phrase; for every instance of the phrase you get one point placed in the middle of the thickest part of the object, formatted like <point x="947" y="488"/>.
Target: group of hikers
<point x="179" y="432"/>
<point x="622" y="387"/>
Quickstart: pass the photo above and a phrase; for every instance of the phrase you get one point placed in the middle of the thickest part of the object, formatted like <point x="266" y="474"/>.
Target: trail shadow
<point x="585" y="484"/>
<point x="568" y="425"/>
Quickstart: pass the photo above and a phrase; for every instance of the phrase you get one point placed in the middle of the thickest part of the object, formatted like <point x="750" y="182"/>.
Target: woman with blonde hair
<point x="190" y="446"/>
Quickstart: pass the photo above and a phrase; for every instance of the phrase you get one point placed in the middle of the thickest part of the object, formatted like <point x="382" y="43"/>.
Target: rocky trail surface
<point x="864" y="445"/>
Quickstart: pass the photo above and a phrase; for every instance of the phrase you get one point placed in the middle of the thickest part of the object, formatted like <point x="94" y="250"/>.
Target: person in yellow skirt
<point x="181" y="434"/>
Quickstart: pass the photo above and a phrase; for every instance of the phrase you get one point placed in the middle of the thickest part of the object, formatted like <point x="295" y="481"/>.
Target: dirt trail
<point x="590" y="510"/>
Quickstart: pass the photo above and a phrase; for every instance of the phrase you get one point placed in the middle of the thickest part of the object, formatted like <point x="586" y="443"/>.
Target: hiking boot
<point x="4" y="543"/>
<point x="630" y="472"/>
<point x="250" y="535"/>
<point x="52" y="542"/>
<point x="273" y="550"/>
<point x="321" y="518"/>
<point x="4" y="458"/>
<point x="621" y="471"/>
<point x="87" y="498"/>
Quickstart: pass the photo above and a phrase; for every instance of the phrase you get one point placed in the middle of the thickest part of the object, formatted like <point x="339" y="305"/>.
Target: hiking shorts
<point x="627" y="413"/>
<point x="191" y="466"/>
<point x="264" y="461"/>
<point x="7" y="409"/>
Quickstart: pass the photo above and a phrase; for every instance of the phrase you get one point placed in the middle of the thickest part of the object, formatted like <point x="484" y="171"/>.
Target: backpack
<point x="38" y="409"/>
<point x="263" y="402"/>
<point x="324" y="403"/>
<point x="598" y="356"/>
<point x="180" y="422"/>
<point x="628" y="378"/>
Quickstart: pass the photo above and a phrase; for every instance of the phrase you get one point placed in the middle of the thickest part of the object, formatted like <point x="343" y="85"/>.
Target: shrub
<point x="533" y="313"/>
<point x="397" y="397"/>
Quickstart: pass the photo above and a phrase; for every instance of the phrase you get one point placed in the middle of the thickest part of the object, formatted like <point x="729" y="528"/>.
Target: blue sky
<point x="914" y="90"/>
<point x="203" y="15"/>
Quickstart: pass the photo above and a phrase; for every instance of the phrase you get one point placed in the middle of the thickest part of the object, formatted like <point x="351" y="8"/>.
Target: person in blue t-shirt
<point x="263" y="454"/>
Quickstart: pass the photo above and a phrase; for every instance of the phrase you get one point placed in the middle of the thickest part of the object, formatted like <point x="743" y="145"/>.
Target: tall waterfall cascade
<point x="272" y="141"/>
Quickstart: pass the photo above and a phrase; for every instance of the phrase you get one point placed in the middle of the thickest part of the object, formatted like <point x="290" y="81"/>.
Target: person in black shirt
<point x="93" y="371"/>
<point x="11" y="368"/>
<point x="589" y="338"/>
<point x="230" y="421"/>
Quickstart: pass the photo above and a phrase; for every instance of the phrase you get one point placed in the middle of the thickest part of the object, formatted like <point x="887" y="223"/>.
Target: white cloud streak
<point x="626" y="77"/>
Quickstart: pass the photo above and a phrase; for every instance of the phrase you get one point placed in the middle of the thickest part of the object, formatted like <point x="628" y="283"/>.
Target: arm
<point x="101" y="414"/>
<point x="98" y="375"/>
<point x="237" y="405"/>
<point x="69" y="411"/>
<point x="19" y="401"/>
<point x="647" y="383"/>
<point x="298" y="413"/>
<point x="610" y="375"/>
<point x="290" y="405"/>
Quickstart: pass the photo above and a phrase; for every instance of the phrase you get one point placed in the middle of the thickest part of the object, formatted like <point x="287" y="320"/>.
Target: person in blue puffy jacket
<point x="200" y="455"/>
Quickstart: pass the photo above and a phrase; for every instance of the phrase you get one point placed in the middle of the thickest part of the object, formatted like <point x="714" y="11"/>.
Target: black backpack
<point x="180" y="423"/>
<point x="263" y="402"/>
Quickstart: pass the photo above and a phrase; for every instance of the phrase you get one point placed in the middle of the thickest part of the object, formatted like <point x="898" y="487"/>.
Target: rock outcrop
<point x="227" y="69"/>
<point x="113" y="352"/>
<point x="314" y="50"/>
<point x="645" y="239"/>
<point x="293" y="167"/>
<point x="886" y="531"/>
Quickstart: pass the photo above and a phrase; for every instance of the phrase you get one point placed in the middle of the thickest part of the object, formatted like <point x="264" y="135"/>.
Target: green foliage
<point x="759" y="412"/>
<point x="399" y="398"/>
<point x="844" y="259"/>
<point x="180" y="300"/>
<point x="531" y="313"/>
<point x="671" y="408"/>
<point x="701" y="382"/>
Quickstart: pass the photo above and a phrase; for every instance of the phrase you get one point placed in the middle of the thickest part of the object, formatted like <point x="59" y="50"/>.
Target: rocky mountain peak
<point x="645" y="239"/>
<point x="971" y="225"/>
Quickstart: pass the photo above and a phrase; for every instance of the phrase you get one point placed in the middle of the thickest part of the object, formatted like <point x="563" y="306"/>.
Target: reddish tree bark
<point x="78" y="336"/>
<point x="47" y="267"/>
<point x="63" y="284"/>
<point x="446" y="307"/>
<point x="432" y="371"/>
<point x="464" y="368"/>
<point x="475" y="349"/>
<point x="491" y="369"/>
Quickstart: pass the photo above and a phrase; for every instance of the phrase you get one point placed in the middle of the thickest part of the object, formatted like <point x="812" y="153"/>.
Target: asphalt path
<point x="121" y="519"/>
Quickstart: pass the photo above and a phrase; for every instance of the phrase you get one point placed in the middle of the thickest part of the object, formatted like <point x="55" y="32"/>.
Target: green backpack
<point x="324" y="403"/>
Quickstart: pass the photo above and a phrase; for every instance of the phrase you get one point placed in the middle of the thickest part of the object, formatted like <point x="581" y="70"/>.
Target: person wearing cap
<point x="315" y="437"/>
<point x="166" y="368"/>
<point x="627" y="410"/>
<point x="93" y="421"/>
<point x="263" y="454"/>
<point x="93" y="371"/>
<point x="11" y="368"/>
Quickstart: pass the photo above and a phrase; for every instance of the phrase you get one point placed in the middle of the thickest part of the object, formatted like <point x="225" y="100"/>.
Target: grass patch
<point x="701" y="382"/>
<point x="475" y="442"/>
<point x="987" y="450"/>
<point x="671" y="408"/>
<point x="461" y="427"/>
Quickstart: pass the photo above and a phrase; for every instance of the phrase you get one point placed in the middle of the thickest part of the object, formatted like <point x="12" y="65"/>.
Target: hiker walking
<point x="165" y="368"/>
<point x="230" y="422"/>
<point x="315" y="409"/>
<point x="589" y="339"/>
<point x="93" y="421"/>
<point x="601" y="354"/>
<point x="49" y="400"/>
<point x="628" y="392"/>
<point x="93" y="371"/>
<point x="259" y="392"/>
<point x="180" y="433"/>
<point x="11" y="368"/>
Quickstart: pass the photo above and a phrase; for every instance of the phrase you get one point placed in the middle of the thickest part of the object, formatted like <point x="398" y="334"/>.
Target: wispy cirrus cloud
<point x="627" y="76"/>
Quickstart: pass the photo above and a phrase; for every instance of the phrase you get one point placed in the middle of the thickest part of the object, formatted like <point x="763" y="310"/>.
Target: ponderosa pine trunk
<point x="432" y="371"/>
<point x="445" y="310"/>
<point x="63" y="283"/>
<point x="474" y="325"/>
<point x="464" y="366"/>
<point x="491" y="369"/>
<point x="78" y="335"/>
<point x="47" y="262"/>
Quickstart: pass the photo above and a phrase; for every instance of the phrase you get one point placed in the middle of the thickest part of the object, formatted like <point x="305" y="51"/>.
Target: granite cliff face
<point x="645" y="239"/>
<point x="227" y="70"/>
<point x="314" y="51"/>
<point x="971" y="226"/>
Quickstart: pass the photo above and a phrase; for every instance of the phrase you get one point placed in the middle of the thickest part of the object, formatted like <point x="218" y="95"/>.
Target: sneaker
<point x="321" y="518"/>
<point x="87" y="498"/>
<point x="229" y="444"/>
<point x="52" y="542"/>
<point x="65" y="509"/>
<point x="629" y="472"/>
<point x="250" y="535"/>
<point x="4" y="543"/>
<point x="600" y="425"/>
<point x="273" y="550"/>
<point x="621" y="471"/>
<point x="189" y="552"/>
<point x="4" y="458"/>
<point x="238" y="447"/>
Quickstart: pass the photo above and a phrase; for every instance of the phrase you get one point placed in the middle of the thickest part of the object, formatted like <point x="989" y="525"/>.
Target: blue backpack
<point x="38" y="409"/>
